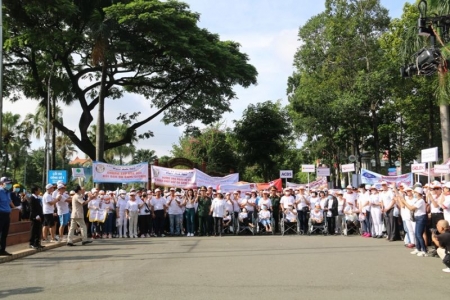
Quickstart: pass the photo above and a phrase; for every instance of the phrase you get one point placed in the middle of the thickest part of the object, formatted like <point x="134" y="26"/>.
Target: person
<point x="444" y="201"/>
<point x="175" y="212"/>
<point x="443" y="242"/>
<point x="121" y="220"/>
<point x="5" y="211"/>
<point x="349" y="195"/>
<point x="132" y="211"/>
<point x="243" y="218"/>
<point x="316" y="214"/>
<point x="158" y="207"/>
<point x="286" y="200"/>
<point x="227" y="221"/>
<point x="94" y="205"/>
<point x="108" y="206"/>
<point x="264" y="217"/>
<point x="420" y="216"/>
<point x="388" y="207"/>
<point x="340" y="211"/>
<point x="48" y="203"/>
<point x="144" y="216"/>
<point x="375" y="212"/>
<point x="290" y="214"/>
<point x="302" y="204"/>
<point x="364" y="208"/>
<point x="217" y="210"/>
<point x="77" y="217"/>
<point x="331" y="210"/>
<point x="275" y="200"/>
<point x="62" y="208"/>
<point x="16" y="199"/>
<point x="189" y="204"/>
<point x="36" y="218"/>
<point x="25" y="204"/>
<point x="204" y="206"/>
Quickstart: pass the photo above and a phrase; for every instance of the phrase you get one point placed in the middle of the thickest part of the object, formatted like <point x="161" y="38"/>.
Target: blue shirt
<point x="5" y="200"/>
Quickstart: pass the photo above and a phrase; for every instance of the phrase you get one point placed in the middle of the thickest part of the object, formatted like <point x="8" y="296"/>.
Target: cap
<point x="60" y="186"/>
<point x="210" y="187"/>
<point x="447" y="185"/>
<point x="407" y="188"/>
<point x="94" y="190"/>
<point x="373" y="187"/>
<point x="383" y="183"/>
<point x="367" y="186"/>
<point x="132" y="193"/>
<point x="419" y="190"/>
<point x="122" y="192"/>
<point x="227" y="194"/>
<point x="235" y="192"/>
<point x="72" y="193"/>
<point x="172" y="189"/>
<point x="349" y="186"/>
<point x="16" y="185"/>
<point x="253" y="191"/>
<point x="106" y="197"/>
<point x="157" y="190"/>
<point x="177" y="194"/>
<point x="339" y="193"/>
<point x="302" y="187"/>
<point x="132" y="190"/>
<point x="48" y="186"/>
<point x="5" y="180"/>
<point x="266" y="192"/>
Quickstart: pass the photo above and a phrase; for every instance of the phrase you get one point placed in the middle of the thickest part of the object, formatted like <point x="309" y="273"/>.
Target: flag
<point x="77" y="172"/>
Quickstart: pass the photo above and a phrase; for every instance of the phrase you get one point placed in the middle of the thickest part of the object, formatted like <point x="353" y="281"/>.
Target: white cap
<point x="48" y="186"/>
<point x="407" y="188"/>
<point x="447" y="185"/>
<point x="419" y="190"/>
<point x="122" y="192"/>
<point x="349" y="186"/>
<point x="61" y="186"/>
<point x="339" y="192"/>
<point x="266" y="192"/>
<point x="383" y="183"/>
<point x="367" y="186"/>
<point x="157" y="190"/>
<point x="172" y="189"/>
<point x="106" y="197"/>
<point x="132" y="193"/>
<point x="94" y="190"/>
<point x="59" y="182"/>
<point x="72" y="192"/>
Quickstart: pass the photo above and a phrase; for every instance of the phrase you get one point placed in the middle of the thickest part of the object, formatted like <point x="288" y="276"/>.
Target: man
<point x="444" y="201"/>
<point x="349" y="195"/>
<point x="204" y="207"/>
<point x="5" y="211"/>
<point x="36" y="218"/>
<point x="443" y="242"/>
<point x="62" y="208"/>
<point x="77" y="217"/>
<point x="158" y="207"/>
<point x="16" y="199"/>
<point x="48" y="203"/>
<point x="275" y="207"/>
<point x="388" y="204"/>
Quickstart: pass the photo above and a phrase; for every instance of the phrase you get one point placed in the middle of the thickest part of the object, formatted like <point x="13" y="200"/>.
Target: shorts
<point x="265" y="222"/>
<point x="49" y="220"/>
<point x="64" y="219"/>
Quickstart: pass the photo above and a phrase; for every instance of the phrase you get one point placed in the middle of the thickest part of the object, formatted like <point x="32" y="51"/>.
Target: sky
<point x="267" y="31"/>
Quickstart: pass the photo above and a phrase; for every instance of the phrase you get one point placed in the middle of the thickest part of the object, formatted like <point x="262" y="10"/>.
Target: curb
<point x="28" y="252"/>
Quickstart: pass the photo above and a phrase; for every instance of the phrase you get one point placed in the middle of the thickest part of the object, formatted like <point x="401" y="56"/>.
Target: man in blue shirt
<point x="5" y="210"/>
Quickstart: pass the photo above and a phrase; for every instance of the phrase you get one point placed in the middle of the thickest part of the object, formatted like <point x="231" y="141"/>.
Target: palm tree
<point x="15" y="138"/>
<point x="144" y="155"/>
<point x="64" y="147"/>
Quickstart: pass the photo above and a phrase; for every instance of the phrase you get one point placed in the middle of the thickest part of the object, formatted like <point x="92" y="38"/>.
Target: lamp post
<point x="1" y="80"/>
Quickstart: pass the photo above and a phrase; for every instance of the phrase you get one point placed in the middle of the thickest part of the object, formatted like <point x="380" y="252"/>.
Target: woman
<point x="218" y="211"/>
<point x="144" y="217"/>
<point x="302" y="209"/>
<point x="322" y="199"/>
<point x="420" y="215"/>
<point x="265" y="201"/>
<point x="408" y="224"/>
<point x="375" y="213"/>
<point x="189" y="204"/>
<point x="93" y="205"/>
<point x="340" y="213"/>
<point x="132" y="212"/>
<point x="313" y="199"/>
<point x="121" y="220"/>
<point x="158" y="207"/>
<point x="109" y="207"/>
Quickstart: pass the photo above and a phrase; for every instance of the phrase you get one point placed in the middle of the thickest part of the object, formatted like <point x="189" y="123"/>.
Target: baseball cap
<point x="447" y="185"/>
<point x="172" y="189"/>
<point x="5" y="180"/>
<point x="122" y="192"/>
<point x="60" y="186"/>
<point x="383" y="183"/>
<point x="157" y="190"/>
<point x="132" y="193"/>
<point x="48" y="186"/>
<point x="419" y="190"/>
<point x="16" y="185"/>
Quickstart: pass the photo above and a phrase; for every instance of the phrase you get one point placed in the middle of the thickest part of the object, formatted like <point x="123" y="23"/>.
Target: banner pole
<point x="429" y="173"/>
<point x="308" y="180"/>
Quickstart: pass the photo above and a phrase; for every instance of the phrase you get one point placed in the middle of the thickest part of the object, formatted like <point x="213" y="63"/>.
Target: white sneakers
<point x="422" y="254"/>
<point x="190" y="234"/>
<point x="446" y="270"/>
<point x="415" y="252"/>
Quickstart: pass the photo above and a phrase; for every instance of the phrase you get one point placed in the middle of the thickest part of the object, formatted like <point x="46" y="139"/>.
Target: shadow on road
<point x="21" y="291"/>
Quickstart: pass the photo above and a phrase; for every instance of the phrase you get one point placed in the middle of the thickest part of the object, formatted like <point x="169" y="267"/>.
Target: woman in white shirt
<point x="218" y="211"/>
<point x="420" y="215"/>
<point x="264" y="217"/>
<point x="144" y="216"/>
<point x="93" y="205"/>
<point x="313" y="199"/>
<point x="189" y="204"/>
<point x="408" y="224"/>
<point x="132" y="212"/>
<point x="121" y="220"/>
<point x="375" y="213"/>
<point x="109" y="207"/>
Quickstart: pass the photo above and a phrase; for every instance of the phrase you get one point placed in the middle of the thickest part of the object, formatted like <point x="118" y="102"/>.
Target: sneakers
<point x="446" y="270"/>
<point x="415" y="252"/>
<point x="5" y="253"/>
<point x="422" y="254"/>
<point x="85" y="242"/>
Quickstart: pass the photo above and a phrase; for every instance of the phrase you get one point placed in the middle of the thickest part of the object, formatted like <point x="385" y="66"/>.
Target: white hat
<point x="132" y="193"/>
<point x="48" y="186"/>
<point x="253" y="191"/>
<point x="106" y="197"/>
<point x="302" y="187"/>
<point x="172" y="189"/>
<point x="61" y="186"/>
<point x="383" y="183"/>
<point x="227" y="194"/>
<point x="349" y="186"/>
<point x="266" y="192"/>
<point x="447" y="185"/>
<point x="133" y="190"/>
<point x="419" y="190"/>
<point x="72" y="192"/>
<point x="339" y="192"/>
<point x="367" y="186"/>
<point x="122" y="192"/>
<point x="59" y="182"/>
<point x="177" y="194"/>
<point x="157" y="190"/>
<point x="407" y="188"/>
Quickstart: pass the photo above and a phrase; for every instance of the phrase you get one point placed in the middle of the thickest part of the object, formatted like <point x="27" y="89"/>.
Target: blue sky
<point x="267" y="31"/>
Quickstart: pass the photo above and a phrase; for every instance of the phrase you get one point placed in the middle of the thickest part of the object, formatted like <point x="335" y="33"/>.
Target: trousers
<point x="73" y="226"/>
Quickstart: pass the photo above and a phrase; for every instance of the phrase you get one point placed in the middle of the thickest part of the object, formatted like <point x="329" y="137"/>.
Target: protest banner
<point x="103" y="172"/>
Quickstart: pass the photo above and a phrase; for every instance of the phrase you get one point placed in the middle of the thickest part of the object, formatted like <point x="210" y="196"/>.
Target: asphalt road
<point x="242" y="267"/>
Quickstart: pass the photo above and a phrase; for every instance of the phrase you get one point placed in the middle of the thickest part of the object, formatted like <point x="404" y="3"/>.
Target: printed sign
<point x="57" y="175"/>
<point x="77" y="172"/>
<point x="103" y="172"/>
<point x="430" y="155"/>
<point x="442" y="169"/>
<point x="347" y="168"/>
<point x="418" y="168"/>
<point x="323" y="172"/>
<point x="308" y="168"/>
<point x="286" y="174"/>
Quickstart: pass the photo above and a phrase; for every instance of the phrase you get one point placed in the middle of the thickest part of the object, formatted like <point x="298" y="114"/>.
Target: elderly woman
<point x="218" y="211"/>
<point x="375" y="212"/>
<point x="109" y="207"/>
<point x="419" y="207"/>
<point x="132" y="212"/>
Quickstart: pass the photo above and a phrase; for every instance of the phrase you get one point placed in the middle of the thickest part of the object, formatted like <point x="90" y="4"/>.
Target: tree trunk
<point x="376" y="140"/>
<point x="53" y="149"/>
<point x="100" y="132"/>
<point x="445" y="129"/>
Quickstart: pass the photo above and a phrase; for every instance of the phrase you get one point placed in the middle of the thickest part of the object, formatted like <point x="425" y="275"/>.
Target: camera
<point x="434" y="231"/>
<point x="147" y="211"/>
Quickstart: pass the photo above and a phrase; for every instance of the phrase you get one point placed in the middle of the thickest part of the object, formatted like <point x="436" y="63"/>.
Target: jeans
<point x="95" y="228"/>
<point x="303" y="220"/>
<point x="421" y="223"/>
<point x="159" y="222"/>
<point x="218" y="225"/>
<point x="367" y="224"/>
<point x="190" y="216"/>
<point x="175" y="220"/>
<point x="108" y="225"/>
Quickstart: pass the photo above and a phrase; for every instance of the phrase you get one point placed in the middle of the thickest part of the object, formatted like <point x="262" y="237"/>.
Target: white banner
<point x="347" y="168"/>
<point x="78" y="172"/>
<point x="323" y="172"/>
<point x="308" y="168"/>
<point x="286" y="174"/>
<point x="430" y="155"/>
<point x="102" y="172"/>
<point x="442" y="169"/>
<point x="418" y="168"/>
<point x="369" y="177"/>
<point x="319" y="183"/>
<point x="185" y="179"/>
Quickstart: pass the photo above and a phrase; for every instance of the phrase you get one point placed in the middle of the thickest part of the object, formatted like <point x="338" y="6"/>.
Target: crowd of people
<point x="417" y="215"/>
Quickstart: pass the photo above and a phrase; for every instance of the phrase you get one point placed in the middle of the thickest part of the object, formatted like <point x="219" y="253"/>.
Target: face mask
<point x="8" y="186"/>
<point x="248" y="197"/>
<point x="17" y="190"/>
<point x="415" y="196"/>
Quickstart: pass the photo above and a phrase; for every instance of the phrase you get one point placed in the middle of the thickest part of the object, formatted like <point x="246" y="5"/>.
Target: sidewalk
<point x="22" y="250"/>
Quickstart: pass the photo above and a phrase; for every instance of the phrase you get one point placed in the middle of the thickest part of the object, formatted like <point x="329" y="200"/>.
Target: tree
<point x="65" y="148"/>
<point x="144" y="155"/>
<point x="261" y="134"/>
<point x="154" y="49"/>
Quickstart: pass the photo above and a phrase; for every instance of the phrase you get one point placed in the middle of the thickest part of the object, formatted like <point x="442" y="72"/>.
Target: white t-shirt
<point x="243" y="215"/>
<point x="291" y="216"/>
<point x="316" y="214"/>
<point x="350" y="209"/>
<point x="158" y="203"/>
<point x="47" y="208"/>
<point x="121" y="205"/>
<point x="386" y="197"/>
<point x="267" y="202"/>
<point x="285" y="201"/>
<point x="62" y="206"/>
<point x="133" y="206"/>
<point x="433" y="209"/>
<point x="363" y="199"/>
<point x="322" y="202"/>
<point x="190" y="204"/>
<point x="341" y="206"/>
<point x="249" y="207"/>
<point x="446" y="208"/>
<point x="229" y="205"/>
<point x="313" y="201"/>
<point x="405" y="212"/>
<point x="375" y="201"/>
<point x="218" y="207"/>
<point x="421" y="208"/>
<point x="302" y="203"/>
<point x="174" y="207"/>
<point x="350" y="197"/>
<point x="264" y="214"/>
<point x="108" y="206"/>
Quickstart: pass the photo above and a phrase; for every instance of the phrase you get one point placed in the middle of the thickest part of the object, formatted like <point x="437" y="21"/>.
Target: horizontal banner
<point x="369" y="177"/>
<point x="103" y="172"/>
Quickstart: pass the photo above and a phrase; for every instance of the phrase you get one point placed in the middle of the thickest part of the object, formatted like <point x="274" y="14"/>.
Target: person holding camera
<point x="442" y="240"/>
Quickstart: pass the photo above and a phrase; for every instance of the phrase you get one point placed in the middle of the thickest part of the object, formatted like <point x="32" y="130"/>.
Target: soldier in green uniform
<point x="204" y="207"/>
<point x="275" y="199"/>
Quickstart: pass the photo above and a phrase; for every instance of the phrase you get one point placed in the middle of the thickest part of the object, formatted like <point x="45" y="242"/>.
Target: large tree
<point x="108" y="49"/>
